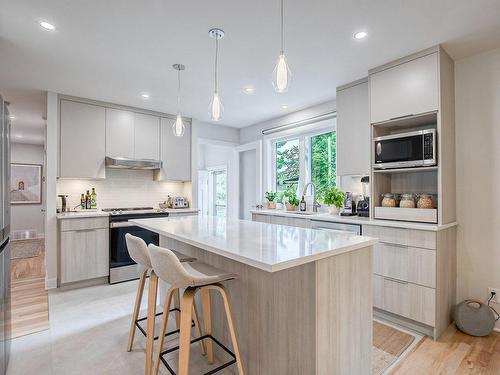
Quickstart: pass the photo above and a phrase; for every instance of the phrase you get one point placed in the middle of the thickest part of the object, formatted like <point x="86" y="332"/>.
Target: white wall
<point x="201" y="132"/>
<point x="27" y="216"/>
<point x="123" y="188"/>
<point x="477" y="93"/>
<point x="248" y="176"/>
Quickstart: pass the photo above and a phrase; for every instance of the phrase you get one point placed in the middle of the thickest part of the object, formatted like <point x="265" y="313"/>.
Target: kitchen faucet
<point x="316" y="205"/>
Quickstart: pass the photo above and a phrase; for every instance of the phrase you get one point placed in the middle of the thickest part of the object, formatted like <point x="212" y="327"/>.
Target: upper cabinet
<point x="404" y="88"/>
<point x="119" y="133"/>
<point x="132" y="135"/>
<point x="175" y="153"/>
<point x="353" y="129"/>
<point x="82" y="140"/>
<point x="147" y="136"/>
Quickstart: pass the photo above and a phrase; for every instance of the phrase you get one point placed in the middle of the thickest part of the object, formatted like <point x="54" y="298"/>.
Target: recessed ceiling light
<point x="249" y="90"/>
<point x="12" y="117"/>
<point x="360" y="35"/>
<point x="47" y="26"/>
<point x="19" y="136"/>
<point x="145" y="96"/>
<point x="284" y="106"/>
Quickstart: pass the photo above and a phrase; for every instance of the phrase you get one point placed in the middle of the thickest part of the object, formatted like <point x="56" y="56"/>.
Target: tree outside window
<point x="287" y="164"/>
<point x="324" y="160"/>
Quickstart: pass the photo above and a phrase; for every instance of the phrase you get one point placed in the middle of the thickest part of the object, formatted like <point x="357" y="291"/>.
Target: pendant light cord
<point x="282" y="28"/>
<point x="216" y="62"/>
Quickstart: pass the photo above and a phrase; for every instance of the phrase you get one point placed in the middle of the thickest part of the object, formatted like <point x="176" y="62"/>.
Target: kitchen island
<point x="303" y="300"/>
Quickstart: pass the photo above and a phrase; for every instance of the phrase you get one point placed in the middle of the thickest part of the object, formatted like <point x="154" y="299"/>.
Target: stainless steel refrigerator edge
<point x="4" y="236"/>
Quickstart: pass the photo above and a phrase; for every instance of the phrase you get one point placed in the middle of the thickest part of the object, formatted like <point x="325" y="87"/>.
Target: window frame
<point x="304" y="134"/>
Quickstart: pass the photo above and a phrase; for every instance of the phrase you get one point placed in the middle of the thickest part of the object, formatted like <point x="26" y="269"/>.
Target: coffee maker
<point x="363" y="206"/>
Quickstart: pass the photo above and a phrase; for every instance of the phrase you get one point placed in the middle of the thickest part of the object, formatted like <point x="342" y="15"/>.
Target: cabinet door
<point x="147" y="136"/>
<point x="175" y="153"/>
<point x="407" y="89"/>
<point x="82" y="141"/>
<point x="74" y="261"/>
<point x="97" y="253"/>
<point x="353" y="130"/>
<point x="261" y="218"/>
<point x="119" y="133"/>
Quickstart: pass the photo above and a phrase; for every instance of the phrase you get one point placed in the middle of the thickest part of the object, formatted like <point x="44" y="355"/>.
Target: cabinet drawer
<point x="405" y="263"/>
<point x="301" y="223"/>
<point x="261" y="218"/>
<point x="409" y="300"/>
<point x="281" y="220"/>
<point x="84" y="223"/>
<point x="401" y="236"/>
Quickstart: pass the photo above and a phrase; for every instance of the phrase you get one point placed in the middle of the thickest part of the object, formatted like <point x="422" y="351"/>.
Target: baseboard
<point x="50" y="283"/>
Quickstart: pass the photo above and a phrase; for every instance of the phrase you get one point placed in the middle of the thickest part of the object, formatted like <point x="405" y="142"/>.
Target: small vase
<point x="290" y="207"/>
<point x="271" y="205"/>
<point x="332" y="210"/>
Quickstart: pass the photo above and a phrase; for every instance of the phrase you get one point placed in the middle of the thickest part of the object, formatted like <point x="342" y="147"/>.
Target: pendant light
<point x="216" y="108"/>
<point x="178" y="126"/>
<point x="282" y="74"/>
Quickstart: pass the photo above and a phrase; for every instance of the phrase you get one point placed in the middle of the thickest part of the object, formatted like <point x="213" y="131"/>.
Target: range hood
<point x="127" y="163"/>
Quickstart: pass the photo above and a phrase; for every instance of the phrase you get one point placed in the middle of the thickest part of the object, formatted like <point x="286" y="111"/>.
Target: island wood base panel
<point x="310" y="319"/>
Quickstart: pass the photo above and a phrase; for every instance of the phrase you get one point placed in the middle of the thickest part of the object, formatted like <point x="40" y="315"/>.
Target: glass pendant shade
<point x="216" y="107"/>
<point x="281" y="75"/>
<point x="178" y="127"/>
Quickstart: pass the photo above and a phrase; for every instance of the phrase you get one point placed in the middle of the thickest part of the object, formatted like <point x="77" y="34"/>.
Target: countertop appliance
<point x="62" y="203"/>
<point x="121" y="266"/>
<point x="336" y="227"/>
<point x="349" y="208"/>
<point x="363" y="205"/>
<point x="180" y="202"/>
<point x="4" y="236"/>
<point x="404" y="150"/>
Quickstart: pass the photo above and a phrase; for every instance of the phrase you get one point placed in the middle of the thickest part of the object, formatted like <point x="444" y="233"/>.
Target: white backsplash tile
<point x="124" y="188"/>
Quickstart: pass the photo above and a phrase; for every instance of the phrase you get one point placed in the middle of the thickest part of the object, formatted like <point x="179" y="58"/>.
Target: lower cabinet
<point x="282" y="220"/>
<point x="84" y="249"/>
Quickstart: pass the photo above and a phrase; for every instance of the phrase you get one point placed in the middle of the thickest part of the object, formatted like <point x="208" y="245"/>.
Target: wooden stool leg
<point x="163" y="328"/>
<point x="197" y="328"/>
<point x="177" y="305"/>
<point x="137" y="309"/>
<point x="185" y="334"/>
<point x="153" y="288"/>
<point x="207" y="318"/>
<point x="232" y="328"/>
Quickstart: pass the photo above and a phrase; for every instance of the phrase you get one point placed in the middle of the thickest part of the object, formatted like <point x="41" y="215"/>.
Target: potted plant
<point x="334" y="198"/>
<point x="280" y="200"/>
<point x="271" y="196"/>
<point x="291" y="200"/>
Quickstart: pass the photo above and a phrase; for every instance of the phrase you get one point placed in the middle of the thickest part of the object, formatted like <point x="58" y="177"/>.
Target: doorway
<point x="212" y="193"/>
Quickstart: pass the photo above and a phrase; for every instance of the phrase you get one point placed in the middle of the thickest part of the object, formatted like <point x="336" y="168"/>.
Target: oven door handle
<point x="121" y="224"/>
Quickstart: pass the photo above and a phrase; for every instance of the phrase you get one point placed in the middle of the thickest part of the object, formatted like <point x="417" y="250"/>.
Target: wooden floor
<point x="29" y="299"/>
<point x="454" y="353"/>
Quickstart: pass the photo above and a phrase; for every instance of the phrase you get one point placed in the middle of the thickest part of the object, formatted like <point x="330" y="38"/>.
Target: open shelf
<point x="409" y="121"/>
<point x="406" y="170"/>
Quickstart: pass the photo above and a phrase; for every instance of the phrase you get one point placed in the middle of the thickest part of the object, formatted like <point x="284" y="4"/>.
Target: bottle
<point x="88" y="202"/>
<point x="302" y="204"/>
<point x="82" y="201"/>
<point x="93" y="199"/>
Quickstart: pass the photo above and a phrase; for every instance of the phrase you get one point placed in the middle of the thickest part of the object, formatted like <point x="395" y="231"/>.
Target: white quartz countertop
<point x="99" y="213"/>
<point x="269" y="247"/>
<point x="324" y="216"/>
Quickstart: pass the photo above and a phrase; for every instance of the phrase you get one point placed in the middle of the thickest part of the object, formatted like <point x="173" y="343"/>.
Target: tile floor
<point x="88" y="335"/>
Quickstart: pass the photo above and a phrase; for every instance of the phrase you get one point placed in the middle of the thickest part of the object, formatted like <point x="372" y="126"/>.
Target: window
<point x="305" y="154"/>
<point x="324" y="160"/>
<point x="287" y="164"/>
<point x="220" y="192"/>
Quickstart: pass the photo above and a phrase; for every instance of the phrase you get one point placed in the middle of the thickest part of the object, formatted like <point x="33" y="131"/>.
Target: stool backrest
<point x="138" y="250"/>
<point x="168" y="267"/>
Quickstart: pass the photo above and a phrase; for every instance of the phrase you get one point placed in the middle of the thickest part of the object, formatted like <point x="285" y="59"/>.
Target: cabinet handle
<point x="395" y="280"/>
<point x="395" y="244"/>
<point x="400" y="117"/>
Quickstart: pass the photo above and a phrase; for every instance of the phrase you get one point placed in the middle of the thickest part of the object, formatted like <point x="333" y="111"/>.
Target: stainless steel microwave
<point x="404" y="150"/>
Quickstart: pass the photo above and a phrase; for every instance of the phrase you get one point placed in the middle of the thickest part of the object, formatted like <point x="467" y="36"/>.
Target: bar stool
<point x="194" y="276"/>
<point x="139" y="252"/>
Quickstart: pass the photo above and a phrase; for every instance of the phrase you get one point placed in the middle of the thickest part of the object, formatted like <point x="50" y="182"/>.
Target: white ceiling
<point x="115" y="50"/>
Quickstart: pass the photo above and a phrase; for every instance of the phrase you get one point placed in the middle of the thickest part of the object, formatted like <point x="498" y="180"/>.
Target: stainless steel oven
<point x="121" y="266"/>
<point x="404" y="150"/>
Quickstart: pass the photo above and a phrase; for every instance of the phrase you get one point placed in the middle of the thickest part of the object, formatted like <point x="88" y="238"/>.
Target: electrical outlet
<point x="496" y="298"/>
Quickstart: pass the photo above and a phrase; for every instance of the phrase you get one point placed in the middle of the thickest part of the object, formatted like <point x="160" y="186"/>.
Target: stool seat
<point x="204" y="274"/>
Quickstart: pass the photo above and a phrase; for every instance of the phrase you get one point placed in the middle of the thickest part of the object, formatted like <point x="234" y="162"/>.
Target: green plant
<point x="291" y="197"/>
<point x="271" y="196"/>
<point x="333" y="196"/>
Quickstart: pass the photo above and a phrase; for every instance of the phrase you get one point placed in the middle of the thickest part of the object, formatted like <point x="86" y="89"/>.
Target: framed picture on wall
<point x="25" y="183"/>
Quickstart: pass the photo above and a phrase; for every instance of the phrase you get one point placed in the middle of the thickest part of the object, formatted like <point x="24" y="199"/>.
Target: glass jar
<point x="407" y="201"/>
<point x="425" y="201"/>
<point x="388" y="200"/>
